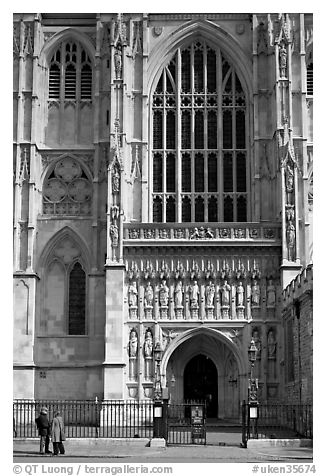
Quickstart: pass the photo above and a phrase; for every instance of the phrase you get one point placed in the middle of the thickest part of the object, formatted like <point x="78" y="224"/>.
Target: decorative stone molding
<point x="16" y="37"/>
<point x="48" y="157"/>
<point x="235" y="269"/>
<point x="28" y="47"/>
<point x="247" y="233"/>
<point x="24" y="171"/>
<point x="137" y="43"/>
<point x="120" y="30"/>
<point x="157" y="30"/>
<point x="67" y="190"/>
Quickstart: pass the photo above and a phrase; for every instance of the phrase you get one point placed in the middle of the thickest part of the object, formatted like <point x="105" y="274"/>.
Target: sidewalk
<point x="139" y="451"/>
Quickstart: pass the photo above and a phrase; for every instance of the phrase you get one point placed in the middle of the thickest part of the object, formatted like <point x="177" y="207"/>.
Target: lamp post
<point x="252" y="391"/>
<point x="158" y="358"/>
<point x="158" y="402"/>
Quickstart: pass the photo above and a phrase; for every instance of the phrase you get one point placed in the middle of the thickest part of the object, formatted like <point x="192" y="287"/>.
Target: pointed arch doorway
<point x="200" y="383"/>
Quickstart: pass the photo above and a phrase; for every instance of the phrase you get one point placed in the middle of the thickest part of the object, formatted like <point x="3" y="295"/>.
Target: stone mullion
<point x="192" y="186"/>
<point x="234" y="146"/>
<point x="62" y="91"/>
<point x="192" y="134"/>
<point x="205" y="137"/>
<point x="178" y="138"/>
<point x="164" y="194"/>
<point x="219" y="136"/>
<point x="146" y="182"/>
<point x="254" y="209"/>
<point x="78" y="102"/>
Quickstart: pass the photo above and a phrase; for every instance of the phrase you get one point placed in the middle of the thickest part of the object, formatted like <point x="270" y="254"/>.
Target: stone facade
<point x="162" y="174"/>
<point x="298" y="326"/>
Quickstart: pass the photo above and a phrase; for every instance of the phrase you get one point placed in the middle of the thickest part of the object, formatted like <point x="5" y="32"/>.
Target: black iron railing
<point x="88" y="418"/>
<point x="182" y="428"/>
<point x="278" y="421"/>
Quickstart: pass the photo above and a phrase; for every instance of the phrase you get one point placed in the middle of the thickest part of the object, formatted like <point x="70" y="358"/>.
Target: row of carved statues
<point x="148" y="345"/>
<point x="195" y="293"/>
<point x="271" y="344"/>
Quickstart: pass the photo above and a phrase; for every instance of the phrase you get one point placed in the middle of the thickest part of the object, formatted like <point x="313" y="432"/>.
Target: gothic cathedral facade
<point x="162" y="193"/>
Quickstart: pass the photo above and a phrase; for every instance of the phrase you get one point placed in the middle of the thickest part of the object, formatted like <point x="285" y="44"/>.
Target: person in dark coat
<point x="58" y="434"/>
<point x="43" y="426"/>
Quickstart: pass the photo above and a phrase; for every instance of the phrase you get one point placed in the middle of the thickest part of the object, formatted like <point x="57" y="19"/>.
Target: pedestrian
<point x="43" y="426"/>
<point x="58" y="434"/>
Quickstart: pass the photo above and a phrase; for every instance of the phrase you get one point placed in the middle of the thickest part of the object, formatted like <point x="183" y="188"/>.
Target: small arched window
<point x="77" y="300"/>
<point x="65" y="291"/>
<point x="199" y="139"/>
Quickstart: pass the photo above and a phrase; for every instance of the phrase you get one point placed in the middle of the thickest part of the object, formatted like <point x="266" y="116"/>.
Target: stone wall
<point x="298" y="368"/>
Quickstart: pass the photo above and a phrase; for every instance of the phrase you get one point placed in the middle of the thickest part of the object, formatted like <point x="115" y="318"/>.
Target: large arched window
<point x="199" y="139"/>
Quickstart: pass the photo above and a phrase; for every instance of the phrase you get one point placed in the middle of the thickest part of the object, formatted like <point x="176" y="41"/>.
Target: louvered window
<point x="310" y="78"/>
<point x="54" y="81"/>
<point x="70" y="73"/>
<point x="199" y="120"/>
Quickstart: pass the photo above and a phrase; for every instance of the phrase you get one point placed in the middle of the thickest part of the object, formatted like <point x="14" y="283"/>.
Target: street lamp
<point x="253" y="383"/>
<point x="158" y="428"/>
<point x="158" y="358"/>
<point x="252" y="392"/>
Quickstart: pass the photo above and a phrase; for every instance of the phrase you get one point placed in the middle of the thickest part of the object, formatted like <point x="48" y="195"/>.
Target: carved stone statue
<point x="289" y="179"/>
<point x="240" y="294"/>
<point x="148" y="344"/>
<point x="178" y="294"/>
<point x="257" y="340"/>
<point x="164" y="294"/>
<point x="255" y="293"/>
<point x="114" y="233"/>
<point x="283" y="60"/>
<point x="118" y="61"/>
<point x="115" y="180"/>
<point x="271" y="345"/>
<point x="290" y="238"/>
<point x="210" y="293"/>
<point x="148" y="295"/>
<point x="133" y="294"/>
<point x="194" y="293"/>
<point x="133" y="343"/>
<point x="225" y="293"/>
<point x="271" y="294"/>
<point x="194" y="234"/>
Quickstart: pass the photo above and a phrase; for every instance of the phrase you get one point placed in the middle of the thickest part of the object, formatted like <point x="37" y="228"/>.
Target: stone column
<point x="115" y="356"/>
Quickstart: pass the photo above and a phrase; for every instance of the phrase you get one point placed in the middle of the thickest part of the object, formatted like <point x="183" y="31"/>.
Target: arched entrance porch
<point x="200" y="383"/>
<point x="205" y="364"/>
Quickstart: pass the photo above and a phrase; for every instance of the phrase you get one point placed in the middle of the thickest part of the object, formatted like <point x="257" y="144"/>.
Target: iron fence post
<point x="244" y="426"/>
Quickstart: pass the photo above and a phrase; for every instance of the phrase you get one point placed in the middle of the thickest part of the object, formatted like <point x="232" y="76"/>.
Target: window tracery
<point x="67" y="190"/>
<point x="199" y="139"/>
